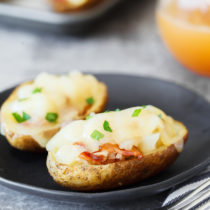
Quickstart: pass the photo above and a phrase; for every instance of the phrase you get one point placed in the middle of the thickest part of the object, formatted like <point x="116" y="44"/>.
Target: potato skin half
<point x="27" y="143"/>
<point x="86" y="177"/>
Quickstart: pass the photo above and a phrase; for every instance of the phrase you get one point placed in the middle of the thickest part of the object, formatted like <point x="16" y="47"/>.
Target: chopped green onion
<point x="117" y="110"/>
<point x="51" y="116"/>
<point x="160" y="116"/>
<point x="107" y="111"/>
<point x="136" y="112"/>
<point x="37" y="90"/>
<point x="106" y="126"/>
<point x="17" y="117"/>
<point x="88" y="117"/>
<point x="22" y="99"/>
<point x="143" y="106"/>
<point x="90" y="100"/>
<point x="97" y="135"/>
<point x="26" y="116"/>
<point x="20" y="118"/>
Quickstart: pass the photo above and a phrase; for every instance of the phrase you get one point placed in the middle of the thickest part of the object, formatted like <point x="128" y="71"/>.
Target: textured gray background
<point x="126" y="41"/>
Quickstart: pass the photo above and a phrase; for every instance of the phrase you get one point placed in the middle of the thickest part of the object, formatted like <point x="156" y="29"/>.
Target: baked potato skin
<point x="27" y="143"/>
<point x="85" y="177"/>
<point x="24" y="143"/>
<point x="66" y="6"/>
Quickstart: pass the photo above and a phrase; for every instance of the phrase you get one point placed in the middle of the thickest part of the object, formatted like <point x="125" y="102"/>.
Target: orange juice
<point x="185" y="28"/>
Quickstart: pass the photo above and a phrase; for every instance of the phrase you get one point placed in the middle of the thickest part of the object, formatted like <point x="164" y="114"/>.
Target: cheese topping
<point x="42" y="106"/>
<point x="151" y="129"/>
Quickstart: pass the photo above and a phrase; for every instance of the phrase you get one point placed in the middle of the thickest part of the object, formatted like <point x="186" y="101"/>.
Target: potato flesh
<point x="143" y="131"/>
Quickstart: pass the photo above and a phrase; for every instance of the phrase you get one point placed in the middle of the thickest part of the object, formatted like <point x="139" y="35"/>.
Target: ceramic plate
<point x="27" y="172"/>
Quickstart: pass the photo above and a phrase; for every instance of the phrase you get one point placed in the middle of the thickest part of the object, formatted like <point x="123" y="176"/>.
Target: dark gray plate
<point x="50" y="20"/>
<point x="27" y="172"/>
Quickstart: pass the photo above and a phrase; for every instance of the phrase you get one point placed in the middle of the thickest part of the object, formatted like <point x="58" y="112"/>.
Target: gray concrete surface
<point x="126" y="41"/>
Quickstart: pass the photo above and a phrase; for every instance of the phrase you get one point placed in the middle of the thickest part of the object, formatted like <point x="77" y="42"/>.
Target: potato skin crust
<point x="27" y="143"/>
<point x="86" y="177"/>
<point x="66" y="6"/>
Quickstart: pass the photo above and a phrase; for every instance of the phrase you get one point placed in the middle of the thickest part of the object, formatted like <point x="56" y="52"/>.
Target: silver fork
<point x="205" y="206"/>
<point x="191" y="200"/>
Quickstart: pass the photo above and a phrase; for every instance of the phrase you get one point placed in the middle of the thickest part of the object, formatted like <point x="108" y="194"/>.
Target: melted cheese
<point x="143" y="131"/>
<point x="64" y="95"/>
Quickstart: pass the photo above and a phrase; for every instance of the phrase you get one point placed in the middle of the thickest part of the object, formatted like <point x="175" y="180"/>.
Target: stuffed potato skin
<point x="86" y="177"/>
<point x="27" y="142"/>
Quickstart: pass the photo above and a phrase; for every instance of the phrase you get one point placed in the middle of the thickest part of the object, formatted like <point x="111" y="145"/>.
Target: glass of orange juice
<point x="185" y="28"/>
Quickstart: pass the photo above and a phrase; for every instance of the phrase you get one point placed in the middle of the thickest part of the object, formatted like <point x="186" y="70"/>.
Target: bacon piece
<point x="92" y="158"/>
<point x="113" y="150"/>
<point x="79" y="144"/>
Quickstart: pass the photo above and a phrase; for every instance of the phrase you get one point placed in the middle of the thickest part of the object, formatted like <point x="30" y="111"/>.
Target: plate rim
<point x="98" y="196"/>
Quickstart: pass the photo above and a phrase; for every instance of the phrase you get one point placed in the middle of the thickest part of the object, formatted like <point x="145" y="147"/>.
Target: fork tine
<point x="205" y="206"/>
<point x="197" y="201"/>
<point x="190" y="196"/>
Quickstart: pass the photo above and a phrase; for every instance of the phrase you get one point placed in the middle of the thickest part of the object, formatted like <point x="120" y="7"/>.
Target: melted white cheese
<point x="64" y="95"/>
<point x="148" y="143"/>
<point x="143" y="131"/>
<point x="37" y="106"/>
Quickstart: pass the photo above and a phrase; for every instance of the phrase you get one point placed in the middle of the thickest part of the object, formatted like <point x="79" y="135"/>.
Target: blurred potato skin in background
<point x="74" y="5"/>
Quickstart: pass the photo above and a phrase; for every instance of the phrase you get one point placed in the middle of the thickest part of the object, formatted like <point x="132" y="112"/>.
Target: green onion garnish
<point x="90" y="100"/>
<point x="143" y="106"/>
<point x="20" y="118"/>
<point x="106" y="111"/>
<point x="106" y="126"/>
<point x="117" y="110"/>
<point x="160" y="116"/>
<point x="51" y="116"/>
<point x="37" y="90"/>
<point x="97" y="135"/>
<point x="26" y="116"/>
<point x="136" y="112"/>
<point x="17" y="117"/>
